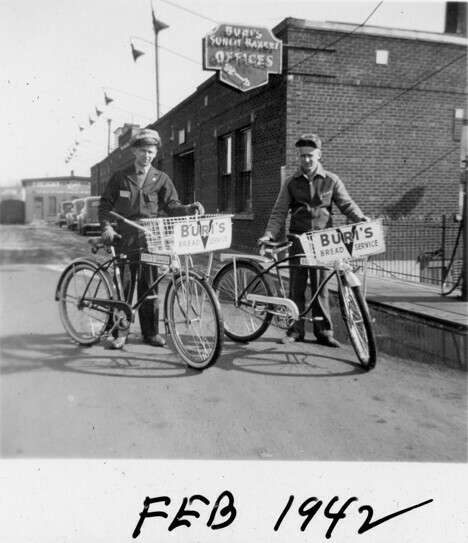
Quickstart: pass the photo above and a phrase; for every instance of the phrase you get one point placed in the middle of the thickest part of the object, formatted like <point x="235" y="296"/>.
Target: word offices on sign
<point x="243" y="46"/>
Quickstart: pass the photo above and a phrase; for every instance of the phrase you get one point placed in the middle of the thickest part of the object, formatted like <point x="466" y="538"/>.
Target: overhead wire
<point x="341" y="38"/>
<point x="364" y="117"/>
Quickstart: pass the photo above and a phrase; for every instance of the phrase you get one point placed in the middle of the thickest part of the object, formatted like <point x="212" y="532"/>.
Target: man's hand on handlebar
<point x="263" y="239"/>
<point x="109" y="236"/>
<point x="195" y="208"/>
<point x="261" y="244"/>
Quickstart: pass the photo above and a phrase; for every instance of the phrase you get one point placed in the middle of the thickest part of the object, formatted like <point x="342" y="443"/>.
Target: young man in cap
<point x="309" y="194"/>
<point x="140" y="192"/>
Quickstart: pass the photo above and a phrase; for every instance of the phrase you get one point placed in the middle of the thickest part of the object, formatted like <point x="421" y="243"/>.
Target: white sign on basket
<point x="202" y="235"/>
<point x="157" y="260"/>
<point x="347" y="242"/>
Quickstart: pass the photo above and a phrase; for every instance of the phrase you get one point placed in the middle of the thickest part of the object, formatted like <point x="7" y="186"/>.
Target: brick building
<point x="388" y="105"/>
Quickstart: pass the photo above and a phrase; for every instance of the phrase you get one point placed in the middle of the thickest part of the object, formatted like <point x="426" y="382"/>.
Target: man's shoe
<point x="328" y="341"/>
<point x="155" y="341"/>
<point x="286" y="340"/>
<point x="117" y="344"/>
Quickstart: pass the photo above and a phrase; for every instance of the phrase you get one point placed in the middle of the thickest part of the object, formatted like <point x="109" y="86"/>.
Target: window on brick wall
<point x="457" y="124"/>
<point x="244" y="173"/>
<point x="381" y="57"/>
<point x="52" y="205"/>
<point x="225" y="180"/>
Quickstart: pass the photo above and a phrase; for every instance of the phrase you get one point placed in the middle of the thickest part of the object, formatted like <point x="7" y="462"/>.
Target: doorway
<point x="38" y="213"/>
<point x="184" y="177"/>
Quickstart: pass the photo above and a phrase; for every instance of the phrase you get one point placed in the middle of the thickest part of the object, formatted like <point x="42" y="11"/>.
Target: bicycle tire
<point x="85" y="325"/>
<point x="358" y="322"/>
<point x="242" y="322"/>
<point x="193" y="316"/>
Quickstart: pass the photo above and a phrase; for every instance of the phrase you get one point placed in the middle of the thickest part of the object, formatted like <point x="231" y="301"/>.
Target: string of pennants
<point x="92" y="118"/>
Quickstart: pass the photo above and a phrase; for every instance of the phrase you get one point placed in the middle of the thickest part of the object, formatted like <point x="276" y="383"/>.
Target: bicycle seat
<point x="277" y="244"/>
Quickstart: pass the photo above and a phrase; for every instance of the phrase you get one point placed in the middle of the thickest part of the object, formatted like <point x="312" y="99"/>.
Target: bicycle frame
<point x="340" y="268"/>
<point x="120" y="303"/>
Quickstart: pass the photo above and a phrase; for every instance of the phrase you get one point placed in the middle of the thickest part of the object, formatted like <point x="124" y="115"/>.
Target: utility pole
<point x="108" y="135"/>
<point x="464" y="211"/>
<point x="157" y="26"/>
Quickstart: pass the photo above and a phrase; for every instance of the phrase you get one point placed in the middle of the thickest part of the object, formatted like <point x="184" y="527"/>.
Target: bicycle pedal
<point x="153" y="297"/>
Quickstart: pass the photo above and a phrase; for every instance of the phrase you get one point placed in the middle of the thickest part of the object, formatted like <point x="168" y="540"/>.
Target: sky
<point x="59" y="57"/>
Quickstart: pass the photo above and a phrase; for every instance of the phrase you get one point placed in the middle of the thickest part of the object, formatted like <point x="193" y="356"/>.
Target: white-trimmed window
<point x="225" y="180"/>
<point x="244" y="177"/>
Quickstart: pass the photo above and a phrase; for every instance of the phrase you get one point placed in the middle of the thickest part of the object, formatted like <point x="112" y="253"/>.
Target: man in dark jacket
<point x="309" y="194"/>
<point x="140" y="192"/>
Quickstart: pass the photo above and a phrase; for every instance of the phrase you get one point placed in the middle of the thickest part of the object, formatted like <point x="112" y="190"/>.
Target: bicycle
<point x="453" y="273"/>
<point x="250" y="301"/>
<point x="91" y="298"/>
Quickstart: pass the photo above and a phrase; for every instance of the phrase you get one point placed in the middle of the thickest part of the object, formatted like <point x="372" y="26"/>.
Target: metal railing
<point x="418" y="248"/>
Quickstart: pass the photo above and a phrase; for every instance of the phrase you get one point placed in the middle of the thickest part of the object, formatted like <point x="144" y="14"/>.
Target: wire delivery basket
<point x="185" y="235"/>
<point x="350" y="242"/>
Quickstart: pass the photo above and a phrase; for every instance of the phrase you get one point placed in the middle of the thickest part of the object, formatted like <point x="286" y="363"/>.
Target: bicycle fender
<point x="253" y="260"/>
<point x="84" y="259"/>
<point x="352" y="279"/>
<point x="223" y="257"/>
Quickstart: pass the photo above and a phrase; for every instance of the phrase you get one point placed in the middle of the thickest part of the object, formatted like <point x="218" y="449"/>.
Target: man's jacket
<point x="123" y="194"/>
<point x="310" y="203"/>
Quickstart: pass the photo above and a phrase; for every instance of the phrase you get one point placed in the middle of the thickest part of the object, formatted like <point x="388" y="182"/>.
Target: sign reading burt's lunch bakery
<point x="242" y="55"/>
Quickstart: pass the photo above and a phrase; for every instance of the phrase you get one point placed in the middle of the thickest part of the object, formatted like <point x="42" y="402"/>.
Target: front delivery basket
<point x="191" y="234"/>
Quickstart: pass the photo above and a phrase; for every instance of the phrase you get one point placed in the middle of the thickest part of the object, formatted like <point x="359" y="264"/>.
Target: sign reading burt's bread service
<point x="345" y="242"/>
<point x="242" y="55"/>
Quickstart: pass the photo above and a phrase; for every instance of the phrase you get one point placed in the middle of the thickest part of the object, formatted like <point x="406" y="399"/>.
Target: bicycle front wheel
<point x="84" y="323"/>
<point x="358" y="322"/>
<point x="244" y="320"/>
<point x="193" y="316"/>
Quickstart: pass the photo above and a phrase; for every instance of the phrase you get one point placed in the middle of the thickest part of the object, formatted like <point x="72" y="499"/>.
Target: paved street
<point x="260" y="401"/>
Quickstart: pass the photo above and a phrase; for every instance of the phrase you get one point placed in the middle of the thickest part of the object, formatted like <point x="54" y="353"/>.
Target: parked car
<point x="65" y="207"/>
<point x="74" y="212"/>
<point x="87" y="220"/>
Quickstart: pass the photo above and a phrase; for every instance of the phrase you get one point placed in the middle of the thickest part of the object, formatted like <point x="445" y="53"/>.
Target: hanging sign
<point x="242" y="55"/>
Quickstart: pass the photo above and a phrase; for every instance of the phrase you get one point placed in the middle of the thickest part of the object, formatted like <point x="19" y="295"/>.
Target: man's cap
<point x="145" y="137"/>
<point x="309" y="140"/>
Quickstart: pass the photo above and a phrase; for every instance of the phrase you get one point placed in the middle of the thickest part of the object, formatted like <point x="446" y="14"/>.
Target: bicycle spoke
<point x="84" y="321"/>
<point x="357" y="320"/>
<point x="194" y="321"/>
<point x="243" y="319"/>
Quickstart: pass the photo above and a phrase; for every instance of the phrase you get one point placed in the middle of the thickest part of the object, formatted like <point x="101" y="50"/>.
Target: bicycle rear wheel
<point x="358" y="322"/>
<point x="84" y="323"/>
<point x="193" y="316"/>
<point x="244" y="320"/>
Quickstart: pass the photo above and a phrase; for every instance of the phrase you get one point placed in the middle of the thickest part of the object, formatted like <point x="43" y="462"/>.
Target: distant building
<point x="43" y="195"/>
<point x="13" y="192"/>
<point x="11" y="211"/>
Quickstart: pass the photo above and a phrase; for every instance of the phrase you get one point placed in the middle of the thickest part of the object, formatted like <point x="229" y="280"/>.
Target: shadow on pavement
<point x="267" y="357"/>
<point x="55" y="352"/>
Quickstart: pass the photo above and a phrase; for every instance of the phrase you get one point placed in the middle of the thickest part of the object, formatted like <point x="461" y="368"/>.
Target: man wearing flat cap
<point x="140" y="192"/>
<point x="309" y="194"/>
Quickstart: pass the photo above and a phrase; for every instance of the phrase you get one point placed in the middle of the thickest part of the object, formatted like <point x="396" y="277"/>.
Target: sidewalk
<point x="412" y="321"/>
<point x="418" y="299"/>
